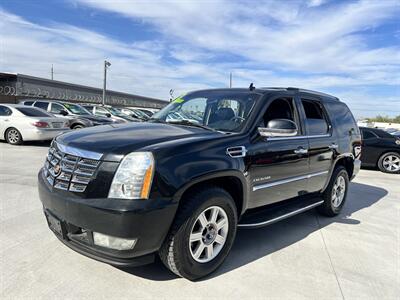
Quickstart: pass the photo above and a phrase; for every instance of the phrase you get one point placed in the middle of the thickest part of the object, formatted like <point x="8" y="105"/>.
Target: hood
<point x="114" y="141"/>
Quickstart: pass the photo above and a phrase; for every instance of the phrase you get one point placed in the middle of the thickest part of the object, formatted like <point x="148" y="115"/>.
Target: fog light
<point x="112" y="242"/>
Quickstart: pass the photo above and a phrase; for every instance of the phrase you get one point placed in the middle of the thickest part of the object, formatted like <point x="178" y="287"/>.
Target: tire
<point x="77" y="126"/>
<point x="13" y="136"/>
<point x="179" y="254"/>
<point x="335" y="194"/>
<point x="389" y="163"/>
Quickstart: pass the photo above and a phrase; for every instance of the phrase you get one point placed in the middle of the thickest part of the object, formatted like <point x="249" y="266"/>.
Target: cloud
<point x="270" y="43"/>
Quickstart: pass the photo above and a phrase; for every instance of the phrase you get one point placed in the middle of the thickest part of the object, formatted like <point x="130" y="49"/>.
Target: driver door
<point x="278" y="166"/>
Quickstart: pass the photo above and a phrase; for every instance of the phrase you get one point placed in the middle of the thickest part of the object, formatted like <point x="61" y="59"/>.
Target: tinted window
<point x="28" y="102"/>
<point x="382" y="134"/>
<point x="33" y="112"/>
<point x="343" y="118"/>
<point x="366" y="134"/>
<point x="282" y="108"/>
<point x="42" y="105"/>
<point x="101" y="111"/>
<point x="56" y="108"/>
<point x="315" y="117"/>
<point x="5" y="111"/>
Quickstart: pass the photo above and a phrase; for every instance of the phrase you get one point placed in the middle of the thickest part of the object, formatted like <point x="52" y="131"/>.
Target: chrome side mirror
<point x="279" y="128"/>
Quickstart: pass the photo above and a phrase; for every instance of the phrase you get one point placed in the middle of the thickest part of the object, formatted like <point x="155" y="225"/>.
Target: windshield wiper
<point x="189" y="123"/>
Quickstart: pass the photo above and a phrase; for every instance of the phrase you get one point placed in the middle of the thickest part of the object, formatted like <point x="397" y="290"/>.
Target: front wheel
<point x="202" y="234"/>
<point x="335" y="194"/>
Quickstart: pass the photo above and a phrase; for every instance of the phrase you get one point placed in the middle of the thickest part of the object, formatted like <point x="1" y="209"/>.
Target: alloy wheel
<point x="338" y="191"/>
<point x="13" y="136"/>
<point x="208" y="234"/>
<point x="391" y="163"/>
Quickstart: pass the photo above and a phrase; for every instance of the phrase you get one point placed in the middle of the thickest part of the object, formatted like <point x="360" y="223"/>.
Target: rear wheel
<point x="389" y="163"/>
<point x="202" y="234"/>
<point x="13" y="136"/>
<point x="335" y="194"/>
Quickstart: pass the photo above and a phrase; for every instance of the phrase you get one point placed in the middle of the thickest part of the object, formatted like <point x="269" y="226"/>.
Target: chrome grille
<point x="68" y="172"/>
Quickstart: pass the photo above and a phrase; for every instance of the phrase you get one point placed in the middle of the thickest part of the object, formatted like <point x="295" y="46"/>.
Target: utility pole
<point x="230" y="80"/>
<point x="106" y="64"/>
<point x="52" y="72"/>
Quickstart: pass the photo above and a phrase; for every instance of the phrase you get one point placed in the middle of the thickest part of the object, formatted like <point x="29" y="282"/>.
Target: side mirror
<point x="108" y="115"/>
<point x="63" y="112"/>
<point x="279" y="128"/>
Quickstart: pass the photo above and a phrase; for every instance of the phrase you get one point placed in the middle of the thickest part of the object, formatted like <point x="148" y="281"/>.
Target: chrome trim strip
<point x="288" y="180"/>
<point x="283" y="216"/>
<point x="300" y="137"/>
<point x="78" y="152"/>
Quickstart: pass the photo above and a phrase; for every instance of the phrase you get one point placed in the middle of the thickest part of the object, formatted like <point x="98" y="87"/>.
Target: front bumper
<point x="148" y="221"/>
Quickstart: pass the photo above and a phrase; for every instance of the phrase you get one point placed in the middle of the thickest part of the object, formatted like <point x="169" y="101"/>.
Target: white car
<point x="20" y="123"/>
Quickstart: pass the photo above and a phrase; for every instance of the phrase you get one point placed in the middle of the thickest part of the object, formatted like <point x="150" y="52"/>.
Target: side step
<point x="274" y="213"/>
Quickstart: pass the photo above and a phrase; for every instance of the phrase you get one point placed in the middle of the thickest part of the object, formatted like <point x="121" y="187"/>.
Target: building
<point x="14" y="87"/>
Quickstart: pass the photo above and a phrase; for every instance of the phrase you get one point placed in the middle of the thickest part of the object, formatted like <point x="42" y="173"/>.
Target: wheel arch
<point x="231" y="181"/>
<point x="347" y="161"/>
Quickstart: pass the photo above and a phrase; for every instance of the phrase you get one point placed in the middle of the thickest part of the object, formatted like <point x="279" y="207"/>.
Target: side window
<point x="366" y="134"/>
<point x="28" y="103"/>
<point x="281" y="108"/>
<point x="41" y="104"/>
<point x="316" y="120"/>
<point x="89" y="108"/>
<point x="56" y="108"/>
<point x="5" y="111"/>
<point x="101" y="111"/>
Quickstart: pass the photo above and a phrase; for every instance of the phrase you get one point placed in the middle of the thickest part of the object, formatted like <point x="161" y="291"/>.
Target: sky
<point x="350" y="49"/>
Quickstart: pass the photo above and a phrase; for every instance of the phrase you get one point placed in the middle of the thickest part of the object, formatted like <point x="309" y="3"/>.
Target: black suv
<point x="380" y="149"/>
<point x="79" y="117"/>
<point x="180" y="187"/>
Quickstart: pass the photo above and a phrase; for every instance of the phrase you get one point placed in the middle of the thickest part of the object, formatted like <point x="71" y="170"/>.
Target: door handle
<point x="333" y="146"/>
<point x="301" y="151"/>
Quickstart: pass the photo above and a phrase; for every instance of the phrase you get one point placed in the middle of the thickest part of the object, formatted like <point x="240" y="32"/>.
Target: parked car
<point x="397" y="133"/>
<point x="148" y="111"/>
<point x="135" y="113"/>
<point x="79" y="117"/>
<point x="20" y="123"/>
<point x="181" y="189"/>
<point x="109" y="111"/>
<point x="380" y="149"/>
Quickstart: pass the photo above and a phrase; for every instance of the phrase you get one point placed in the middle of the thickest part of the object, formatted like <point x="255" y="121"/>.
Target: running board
<point x="275" y="213"/>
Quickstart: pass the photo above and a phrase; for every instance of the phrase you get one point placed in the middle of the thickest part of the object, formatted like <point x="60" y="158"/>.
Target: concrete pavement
<point x="355" y="255"/>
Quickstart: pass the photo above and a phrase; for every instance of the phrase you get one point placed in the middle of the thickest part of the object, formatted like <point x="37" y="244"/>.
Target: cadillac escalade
<point x="210" y="162"/>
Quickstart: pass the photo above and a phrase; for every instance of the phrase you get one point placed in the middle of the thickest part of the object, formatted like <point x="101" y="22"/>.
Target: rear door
<point x="321" y="139"/>
<point x="370" y="147"/>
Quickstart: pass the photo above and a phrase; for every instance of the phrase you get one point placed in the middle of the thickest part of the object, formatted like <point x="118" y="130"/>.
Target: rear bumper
<point x="44" y="134"/>
<point x="357" y="167"/>
<point x="148" y="221"/>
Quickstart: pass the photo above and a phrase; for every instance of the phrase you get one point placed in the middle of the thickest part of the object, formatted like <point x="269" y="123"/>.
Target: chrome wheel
<point x="13" y="136"/>
<point x="208" y="234"/>
<point x="338" y="191"/>
<point x="391" y="163"/>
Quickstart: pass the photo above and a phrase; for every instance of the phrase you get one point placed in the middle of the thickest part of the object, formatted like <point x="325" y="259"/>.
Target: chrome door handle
<point x="334" y="146"/>
<point x="301" y="151"/>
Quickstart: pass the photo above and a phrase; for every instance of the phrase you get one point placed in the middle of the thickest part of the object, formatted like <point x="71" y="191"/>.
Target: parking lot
<point x="352" y="256"/>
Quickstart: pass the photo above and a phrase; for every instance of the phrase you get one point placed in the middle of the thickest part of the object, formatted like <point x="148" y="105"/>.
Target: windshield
<point x="76" y="109"/>
<point x="116" y="112"/>
<point x="219" y="110"/>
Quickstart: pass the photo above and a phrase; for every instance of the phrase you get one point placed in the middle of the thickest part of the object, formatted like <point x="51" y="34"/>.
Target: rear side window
<point x="316" y="119"/>
<point x="366" y="134"/>
<point x="33" y="112"/>
<point x="5" y="111"/>
<point x="29" y="103"/>
<point x="344" y="120"/>
<point x="41" y="104"/>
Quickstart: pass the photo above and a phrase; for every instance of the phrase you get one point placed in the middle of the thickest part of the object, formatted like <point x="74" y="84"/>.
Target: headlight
<point x="134" y="177"/>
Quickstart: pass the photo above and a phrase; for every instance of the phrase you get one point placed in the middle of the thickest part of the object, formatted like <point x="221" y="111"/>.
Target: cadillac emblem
<point x="57" y="170"/>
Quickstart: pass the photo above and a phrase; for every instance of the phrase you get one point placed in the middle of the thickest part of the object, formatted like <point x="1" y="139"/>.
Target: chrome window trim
<point x="298" y="137"/>
<point x="288" y="180"/>
<point x="78" y="152"/>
